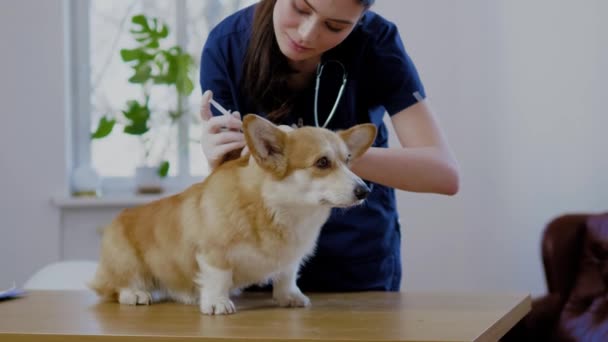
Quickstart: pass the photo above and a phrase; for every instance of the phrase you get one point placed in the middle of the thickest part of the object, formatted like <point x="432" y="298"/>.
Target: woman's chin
<point x="294" y="56"/>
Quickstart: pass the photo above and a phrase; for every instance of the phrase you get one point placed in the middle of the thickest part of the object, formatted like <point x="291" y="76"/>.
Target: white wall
<point x="517" y="86"/>
<point x="32" y="113"/>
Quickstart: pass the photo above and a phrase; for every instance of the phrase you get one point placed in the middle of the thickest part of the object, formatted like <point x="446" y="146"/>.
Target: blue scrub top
<point x="359" y="248"/>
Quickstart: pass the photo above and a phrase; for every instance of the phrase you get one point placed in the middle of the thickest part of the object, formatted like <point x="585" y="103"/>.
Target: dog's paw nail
<point x="293" y="300"/>
<point x="144" y="298"/>
<point x="218" y="307"/>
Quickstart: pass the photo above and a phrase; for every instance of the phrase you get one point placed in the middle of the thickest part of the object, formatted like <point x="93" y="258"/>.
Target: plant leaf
<point x="164" y="32"/>
<point x="184" y="83"/>
<point x="129" y="55"/>
<point x="142" y="74"/>
<point x="149" y="31"/>
<point x="104" y="128"/>
<point x="136" y="128"/>
<point x="136" y="111"/>
<point x="140" y="19"/>
<point x="139" y="115"/>
<point x="163" y="169"/>
<point x="152" y="44"/>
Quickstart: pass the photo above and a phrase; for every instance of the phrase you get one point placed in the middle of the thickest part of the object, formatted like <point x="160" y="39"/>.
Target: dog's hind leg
<point x="121" y="274"/>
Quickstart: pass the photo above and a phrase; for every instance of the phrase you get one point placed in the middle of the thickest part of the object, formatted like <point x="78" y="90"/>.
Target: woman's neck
<point x="305" y="66"/>
<point x="304" y="72"/>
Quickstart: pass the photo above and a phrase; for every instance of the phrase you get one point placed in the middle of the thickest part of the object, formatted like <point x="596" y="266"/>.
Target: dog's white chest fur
<point x="252" y="265"/>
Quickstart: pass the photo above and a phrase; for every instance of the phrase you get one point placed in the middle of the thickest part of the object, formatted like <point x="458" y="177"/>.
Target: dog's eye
<point x="323" y="163"/>
<point x="349" y="157"/>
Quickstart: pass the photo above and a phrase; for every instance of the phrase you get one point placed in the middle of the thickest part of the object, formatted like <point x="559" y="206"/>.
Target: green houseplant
<point x="153" y="66"/>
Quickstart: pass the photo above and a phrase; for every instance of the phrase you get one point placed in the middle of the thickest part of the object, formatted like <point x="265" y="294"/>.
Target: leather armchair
<point x="575" y="260"/>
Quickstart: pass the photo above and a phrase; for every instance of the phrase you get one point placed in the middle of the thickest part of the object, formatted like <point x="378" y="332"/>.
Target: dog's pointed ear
<point x="266" y="142"/>
<point x="359" y="138"/>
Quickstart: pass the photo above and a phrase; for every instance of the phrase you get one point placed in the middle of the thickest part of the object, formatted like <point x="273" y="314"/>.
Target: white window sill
<point x="120" y="193"/>
<point x="108" y="201"/>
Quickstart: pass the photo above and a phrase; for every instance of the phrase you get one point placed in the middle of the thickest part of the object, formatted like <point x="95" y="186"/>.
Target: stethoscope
<point x="320" y="67"/>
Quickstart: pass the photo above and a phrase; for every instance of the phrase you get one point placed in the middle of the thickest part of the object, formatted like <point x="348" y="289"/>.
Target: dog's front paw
<point x="134" y="297"/>
<point x="292" y="299"/>
<point x="217" y="306"/>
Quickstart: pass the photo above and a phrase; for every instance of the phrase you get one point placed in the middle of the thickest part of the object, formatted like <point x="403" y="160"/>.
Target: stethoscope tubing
<point x="338" y="97"/>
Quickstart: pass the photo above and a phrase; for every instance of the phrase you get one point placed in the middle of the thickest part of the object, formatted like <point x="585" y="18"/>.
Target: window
<point x="99" y="30"/>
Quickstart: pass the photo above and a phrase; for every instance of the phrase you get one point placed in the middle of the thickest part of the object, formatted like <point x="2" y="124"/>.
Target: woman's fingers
<point x="221" y="150"/>
<point x="217" y="124"/>
<point x="220" y="134"/>
<point x="227" y="137"/>
<point x="206" y="105"/>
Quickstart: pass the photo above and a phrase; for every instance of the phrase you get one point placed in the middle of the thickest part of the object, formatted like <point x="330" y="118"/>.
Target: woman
<point x="265" y="59"/>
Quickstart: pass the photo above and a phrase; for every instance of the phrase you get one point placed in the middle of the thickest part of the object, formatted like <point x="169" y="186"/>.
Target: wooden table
<point x="373" y="316"/>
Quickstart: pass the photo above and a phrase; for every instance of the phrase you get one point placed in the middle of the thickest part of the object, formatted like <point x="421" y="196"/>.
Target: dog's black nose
<point x="361" y="191"/>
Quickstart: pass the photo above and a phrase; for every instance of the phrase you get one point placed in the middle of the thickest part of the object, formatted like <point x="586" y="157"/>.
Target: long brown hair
<point x="266" y="70"/>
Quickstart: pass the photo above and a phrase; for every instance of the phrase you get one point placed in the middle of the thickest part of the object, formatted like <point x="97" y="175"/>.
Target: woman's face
<point x="305" y="29"/>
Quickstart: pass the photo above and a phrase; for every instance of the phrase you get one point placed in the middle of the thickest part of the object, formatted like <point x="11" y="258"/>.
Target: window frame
<point x="79" y="144"/>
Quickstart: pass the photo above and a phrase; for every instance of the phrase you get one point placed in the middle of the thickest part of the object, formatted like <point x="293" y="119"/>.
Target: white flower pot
<point x="147" y="180"/>
<point x="85" y="181"/>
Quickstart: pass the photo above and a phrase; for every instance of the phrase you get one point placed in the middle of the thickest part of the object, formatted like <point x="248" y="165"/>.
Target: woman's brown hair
<point x="266" y="70"/>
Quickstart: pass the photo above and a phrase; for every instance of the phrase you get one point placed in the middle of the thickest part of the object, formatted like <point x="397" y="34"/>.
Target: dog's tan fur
<point x="251" y="220"/>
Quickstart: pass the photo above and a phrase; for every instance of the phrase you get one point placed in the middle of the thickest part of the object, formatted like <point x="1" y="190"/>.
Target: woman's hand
<point x="220" y="134"/>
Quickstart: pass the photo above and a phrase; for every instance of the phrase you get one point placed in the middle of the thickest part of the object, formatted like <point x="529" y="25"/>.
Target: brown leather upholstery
<point x="575" y="259"/>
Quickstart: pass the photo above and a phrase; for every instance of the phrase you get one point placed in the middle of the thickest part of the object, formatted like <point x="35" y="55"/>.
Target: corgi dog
<point x="252" y="220"/>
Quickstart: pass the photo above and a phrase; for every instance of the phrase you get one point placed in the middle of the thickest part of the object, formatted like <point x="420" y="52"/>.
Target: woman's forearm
<point x="417" y="169"/>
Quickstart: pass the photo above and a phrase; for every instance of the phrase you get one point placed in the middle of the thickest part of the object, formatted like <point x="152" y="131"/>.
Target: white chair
<point x="63" y="275"/>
